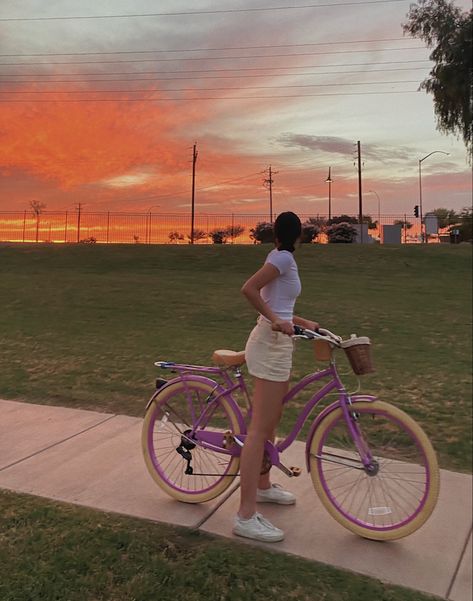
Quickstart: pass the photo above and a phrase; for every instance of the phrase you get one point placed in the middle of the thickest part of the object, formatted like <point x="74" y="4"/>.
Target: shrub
<point x="341" y="233"/>
<point x="263" y="232"/>
<point x="310" y="230"/>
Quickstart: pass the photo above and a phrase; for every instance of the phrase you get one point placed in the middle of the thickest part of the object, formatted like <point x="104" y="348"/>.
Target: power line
<point x="213" y="58"/>
<point x="213" y="97"/>
<point x="199" y="12"/>
<point x="322" y="85"/>
<point x="153" y="79"/>
<point x="231" y="69"/>
<point x="101" y="52"/>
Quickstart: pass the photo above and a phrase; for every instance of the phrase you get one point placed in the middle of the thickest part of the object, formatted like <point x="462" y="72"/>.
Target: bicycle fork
<point x="370" y="464"/>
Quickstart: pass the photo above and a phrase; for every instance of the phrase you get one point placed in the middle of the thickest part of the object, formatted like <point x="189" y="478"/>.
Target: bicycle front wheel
<point x="168" y="443"/>
<point x="397" y="494"/>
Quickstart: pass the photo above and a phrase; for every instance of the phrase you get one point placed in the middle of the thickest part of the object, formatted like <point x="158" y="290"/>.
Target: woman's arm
<point x="251" y="289"/>
<point x="305" y="323"/>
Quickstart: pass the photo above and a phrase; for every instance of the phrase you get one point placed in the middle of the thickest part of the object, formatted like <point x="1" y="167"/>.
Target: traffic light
<point x="416" y="211"/>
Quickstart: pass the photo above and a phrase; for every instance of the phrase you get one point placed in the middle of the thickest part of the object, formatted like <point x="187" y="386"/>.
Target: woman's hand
<point x="286" y="327"/>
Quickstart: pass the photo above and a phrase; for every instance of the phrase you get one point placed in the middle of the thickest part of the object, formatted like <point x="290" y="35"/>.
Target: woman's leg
<point x="267" y="406"/>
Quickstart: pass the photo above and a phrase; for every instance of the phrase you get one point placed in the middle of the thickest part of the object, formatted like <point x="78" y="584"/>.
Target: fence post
<point x="65" y="230"/>
<point x="24" y="224"/>
<point x="405" y="228"/>
<point x="108" y="225"/>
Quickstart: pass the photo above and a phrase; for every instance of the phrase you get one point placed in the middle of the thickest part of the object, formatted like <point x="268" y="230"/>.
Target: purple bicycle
<point x="372" y="466"/>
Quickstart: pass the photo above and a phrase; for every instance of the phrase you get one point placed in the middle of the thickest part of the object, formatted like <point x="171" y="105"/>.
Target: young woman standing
<point x="272" y="291"/>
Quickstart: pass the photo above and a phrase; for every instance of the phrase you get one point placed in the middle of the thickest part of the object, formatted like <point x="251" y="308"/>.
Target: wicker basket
<point x="322" y="350"/>
<point x="358" y="351"/>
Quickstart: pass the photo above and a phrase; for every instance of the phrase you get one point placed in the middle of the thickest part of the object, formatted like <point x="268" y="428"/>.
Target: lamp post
<point x="329" y="181"/>
<point x="148" y="224"/>
<point x="379" y="211"/>
<point x="422" y="229"/>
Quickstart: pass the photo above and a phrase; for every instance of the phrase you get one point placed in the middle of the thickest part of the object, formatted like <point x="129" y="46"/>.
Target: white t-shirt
<point x="281" y="293"/>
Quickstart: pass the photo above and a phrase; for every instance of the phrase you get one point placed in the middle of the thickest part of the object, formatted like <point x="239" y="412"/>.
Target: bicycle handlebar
<point x="319" y="334"/>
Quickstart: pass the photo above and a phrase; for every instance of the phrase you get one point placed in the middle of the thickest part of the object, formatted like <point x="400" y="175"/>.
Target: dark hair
<point x="287" y="229"/>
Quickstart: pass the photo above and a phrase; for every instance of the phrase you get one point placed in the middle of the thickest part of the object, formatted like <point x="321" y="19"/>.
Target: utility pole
<point x="268" y="182"/>
<point x="360" y="193"/>
<point x="79" y="209"/>
<point x="194" y="161"/>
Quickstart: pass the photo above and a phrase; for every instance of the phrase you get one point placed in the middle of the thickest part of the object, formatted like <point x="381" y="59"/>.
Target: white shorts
<point x="269" y="353"/>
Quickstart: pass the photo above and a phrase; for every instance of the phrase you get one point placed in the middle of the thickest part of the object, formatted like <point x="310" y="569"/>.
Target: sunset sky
<point x="292" y="88"/>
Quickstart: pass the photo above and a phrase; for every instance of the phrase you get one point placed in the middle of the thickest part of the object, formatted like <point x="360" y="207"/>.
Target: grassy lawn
<point x="55" y="552"/>
<point x="81" y="325"/>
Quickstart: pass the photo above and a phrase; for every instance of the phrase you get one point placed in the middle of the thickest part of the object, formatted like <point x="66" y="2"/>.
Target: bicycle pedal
<point x="291" y="472"/>
<point x="228" y="439"/>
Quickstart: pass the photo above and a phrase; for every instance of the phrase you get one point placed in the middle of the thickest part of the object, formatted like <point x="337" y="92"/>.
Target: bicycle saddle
<point x="229" y="358"/>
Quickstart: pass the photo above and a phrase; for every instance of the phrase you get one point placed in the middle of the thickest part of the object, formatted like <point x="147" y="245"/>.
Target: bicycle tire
<point x="187" y="489"/>
<point x="364" y="524"/>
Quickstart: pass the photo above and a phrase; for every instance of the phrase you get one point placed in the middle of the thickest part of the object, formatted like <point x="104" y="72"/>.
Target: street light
<point x="148" y="228"/>
<point x="422" y="229"/>
<point x="379" y="211"/>
<point x="329" y="181"/>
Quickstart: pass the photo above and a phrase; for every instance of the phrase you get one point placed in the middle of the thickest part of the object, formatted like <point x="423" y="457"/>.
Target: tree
<point x="310" y="230"/>
<point x="448" y="30"/>
<point x="445" y="217"/>
<point x="175" y="237"/>
<point x="342" y="219"/>
<point x="234" y="231"/>
<point x="38" y="208"/>
<point x="219" y="236"/>
<point x="343" y="233"/>
<point x="354" y="220"/>
<point x="198" y="235"/>
<point x="263" y="232"/>
<point x="372" y="225"/>
<point x="464" y="225"/>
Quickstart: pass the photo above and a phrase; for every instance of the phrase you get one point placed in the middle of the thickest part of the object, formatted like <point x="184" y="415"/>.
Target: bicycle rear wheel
<point x="167" y="443"/>
<point x="397" y="494"/>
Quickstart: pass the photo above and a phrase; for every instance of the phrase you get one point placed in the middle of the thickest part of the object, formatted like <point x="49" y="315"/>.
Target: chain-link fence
<point x="165" y="228"/>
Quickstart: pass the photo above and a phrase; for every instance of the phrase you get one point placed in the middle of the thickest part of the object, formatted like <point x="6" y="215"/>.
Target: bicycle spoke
<point x="187" y="409"/>
<point x="397" y="483"/>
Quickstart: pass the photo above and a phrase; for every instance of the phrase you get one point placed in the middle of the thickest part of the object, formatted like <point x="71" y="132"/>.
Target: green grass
<point x="81" y="325"/>
<point x="55" y="552"/>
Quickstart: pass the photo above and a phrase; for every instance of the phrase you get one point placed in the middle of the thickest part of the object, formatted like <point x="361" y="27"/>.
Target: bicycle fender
<point x="159" y="390"/>
<point x="218" y="389"/>
<point x="356" y="398"/>
<point x="185" y="378"/>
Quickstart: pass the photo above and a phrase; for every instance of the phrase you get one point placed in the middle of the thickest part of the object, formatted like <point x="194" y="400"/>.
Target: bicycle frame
<point x="213" y="440"/>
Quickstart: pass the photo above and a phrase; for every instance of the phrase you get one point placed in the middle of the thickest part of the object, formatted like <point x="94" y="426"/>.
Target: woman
<point x="272" y="291"/>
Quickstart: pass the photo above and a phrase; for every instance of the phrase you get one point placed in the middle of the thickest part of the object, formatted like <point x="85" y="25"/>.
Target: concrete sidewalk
<point x="94" y="459"/>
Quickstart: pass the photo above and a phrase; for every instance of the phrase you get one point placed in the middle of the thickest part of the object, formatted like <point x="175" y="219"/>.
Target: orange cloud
<point x="76" y="143"/>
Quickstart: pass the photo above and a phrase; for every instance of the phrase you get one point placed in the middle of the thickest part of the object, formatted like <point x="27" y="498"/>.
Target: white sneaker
<point x="275" y="494"/>
<point x="257" y="528"/>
